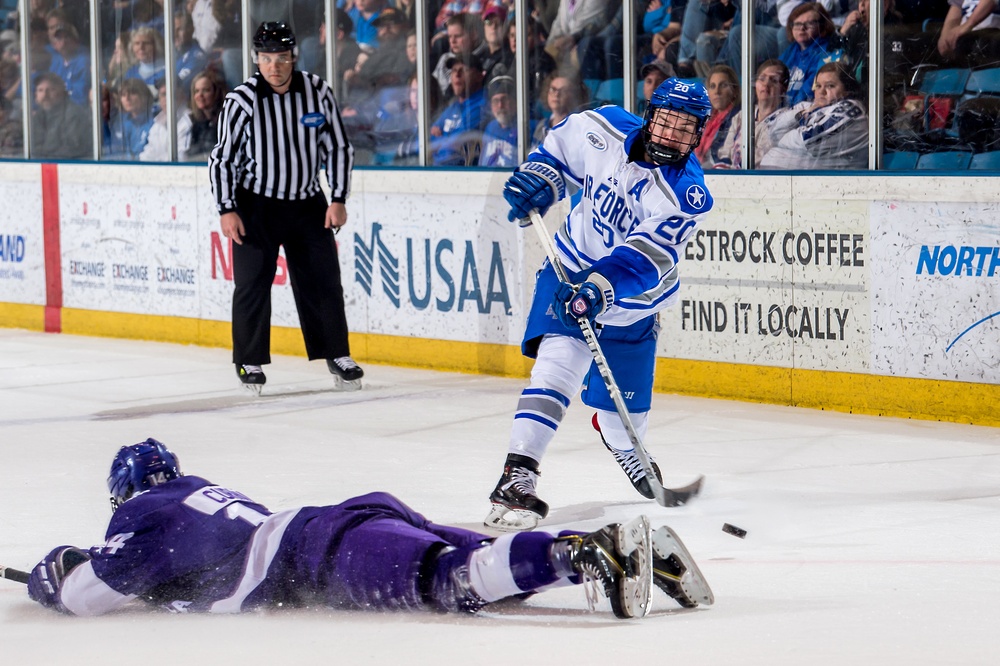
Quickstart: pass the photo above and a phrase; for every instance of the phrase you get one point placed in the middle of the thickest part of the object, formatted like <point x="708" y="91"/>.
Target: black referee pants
<point x="313" y="268"/>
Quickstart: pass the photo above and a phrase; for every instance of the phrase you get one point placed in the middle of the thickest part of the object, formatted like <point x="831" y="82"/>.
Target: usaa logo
<point x="312" y="119"/>
<point x="596" y="140"/>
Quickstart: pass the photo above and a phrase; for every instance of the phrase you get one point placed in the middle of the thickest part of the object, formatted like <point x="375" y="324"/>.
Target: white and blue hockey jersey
<point x="634" y="218"/>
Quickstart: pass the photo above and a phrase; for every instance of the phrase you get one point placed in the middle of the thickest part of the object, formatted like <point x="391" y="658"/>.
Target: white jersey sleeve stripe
<point x="83" y="593"/>
<point x="263" y="548"/>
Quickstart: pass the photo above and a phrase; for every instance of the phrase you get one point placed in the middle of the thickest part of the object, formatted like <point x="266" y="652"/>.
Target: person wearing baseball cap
<point x="457" y="132"/>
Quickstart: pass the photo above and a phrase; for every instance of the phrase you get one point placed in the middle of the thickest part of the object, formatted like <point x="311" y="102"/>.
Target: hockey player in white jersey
<point x="643" y="194"/>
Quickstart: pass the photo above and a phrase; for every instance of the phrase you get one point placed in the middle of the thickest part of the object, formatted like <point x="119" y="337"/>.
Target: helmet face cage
<point x="677" y="112"/>
<point x="274" y="37"/>
<point x="683" y="129"/>
<point x="140" y="467"/>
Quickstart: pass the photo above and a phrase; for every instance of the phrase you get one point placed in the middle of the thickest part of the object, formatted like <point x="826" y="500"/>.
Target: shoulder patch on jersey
<point x="696" y="196"/>
<point x="313" y="120"/>
<point x="596" y="140"/>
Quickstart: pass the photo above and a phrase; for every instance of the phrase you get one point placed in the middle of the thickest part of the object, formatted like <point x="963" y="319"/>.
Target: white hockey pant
<point x="559" y="371"/>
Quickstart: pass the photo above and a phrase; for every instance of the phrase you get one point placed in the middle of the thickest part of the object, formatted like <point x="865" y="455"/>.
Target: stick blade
<point x="676" y="496"/>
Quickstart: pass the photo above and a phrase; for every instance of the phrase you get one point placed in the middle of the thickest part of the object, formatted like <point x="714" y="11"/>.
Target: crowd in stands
<point x="811" y="62"/>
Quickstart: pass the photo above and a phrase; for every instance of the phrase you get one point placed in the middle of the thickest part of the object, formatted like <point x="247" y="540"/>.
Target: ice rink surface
<point x="870" y="540"/>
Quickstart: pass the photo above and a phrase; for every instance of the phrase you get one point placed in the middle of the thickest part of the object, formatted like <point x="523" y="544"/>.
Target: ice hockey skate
<point x="516" y="506"/>
<point x="346" y="373"/>
<point x="631" y="465"/>
<point x="616" y="561"/>
<point x="251" y="377"/>
<point x="675" y="571"/>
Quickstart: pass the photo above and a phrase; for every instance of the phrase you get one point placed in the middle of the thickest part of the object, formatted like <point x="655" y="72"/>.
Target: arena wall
<point x="874" y="294"/>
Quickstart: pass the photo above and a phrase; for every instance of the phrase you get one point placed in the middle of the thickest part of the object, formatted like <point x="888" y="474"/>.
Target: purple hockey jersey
<point x="191" y="546"/>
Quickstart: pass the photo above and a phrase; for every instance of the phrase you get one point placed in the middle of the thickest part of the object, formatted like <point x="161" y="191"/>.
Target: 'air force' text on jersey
<point x="642" y="212"/>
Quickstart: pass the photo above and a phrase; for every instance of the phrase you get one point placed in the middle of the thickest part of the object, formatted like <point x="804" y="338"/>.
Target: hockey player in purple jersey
<point x="642" y="195"/>
<point x="184" y="544"/>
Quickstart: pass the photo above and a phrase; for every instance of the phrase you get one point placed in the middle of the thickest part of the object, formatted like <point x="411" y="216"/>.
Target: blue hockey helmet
<point x="140" y="467"/>
<point x="688" y="107"/>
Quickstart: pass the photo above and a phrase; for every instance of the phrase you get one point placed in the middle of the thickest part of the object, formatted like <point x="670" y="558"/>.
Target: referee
<point x="276" y="130"/>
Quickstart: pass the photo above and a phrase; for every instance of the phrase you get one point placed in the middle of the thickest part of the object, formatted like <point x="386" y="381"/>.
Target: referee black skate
<point x="276" y="131"/>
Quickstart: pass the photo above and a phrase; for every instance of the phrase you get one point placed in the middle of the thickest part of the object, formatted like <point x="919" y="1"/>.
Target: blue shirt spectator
<point x="129" y="129"/>
<point x="70" y="62"/>
<point x="457" y="132"/>
<point x="811" y="31"/>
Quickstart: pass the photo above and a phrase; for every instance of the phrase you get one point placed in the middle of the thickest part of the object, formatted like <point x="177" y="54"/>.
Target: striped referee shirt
<point x="273" y="145"/>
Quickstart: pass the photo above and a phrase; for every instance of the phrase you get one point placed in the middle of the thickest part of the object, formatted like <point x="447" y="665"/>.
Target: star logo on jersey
<point x="696" y="196"/>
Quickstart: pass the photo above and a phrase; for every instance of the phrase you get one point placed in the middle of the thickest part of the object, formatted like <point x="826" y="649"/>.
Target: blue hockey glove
<point x="47" y="577"/>
<point x="536" y="184"/>
<point x="590" y="300"/>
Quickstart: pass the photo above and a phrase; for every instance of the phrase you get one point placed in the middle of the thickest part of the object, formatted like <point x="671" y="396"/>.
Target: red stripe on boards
<point x="53" y="254"/>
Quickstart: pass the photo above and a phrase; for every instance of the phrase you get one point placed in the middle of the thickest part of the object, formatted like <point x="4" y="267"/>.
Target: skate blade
<point x="692" y="582"/>
<point x="635" y="540"/>
<point x="342" y="384"/>
<point x="506" y="519"/>
<point x="252" y="388"/>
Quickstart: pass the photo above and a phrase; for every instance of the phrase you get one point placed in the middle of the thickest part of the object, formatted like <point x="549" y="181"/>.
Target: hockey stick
<point x="14" y="574"/>
<point x="664" y="496"/>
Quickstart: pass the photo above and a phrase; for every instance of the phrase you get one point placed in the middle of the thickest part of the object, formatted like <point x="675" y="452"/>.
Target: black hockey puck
<point x="735" y="531"/>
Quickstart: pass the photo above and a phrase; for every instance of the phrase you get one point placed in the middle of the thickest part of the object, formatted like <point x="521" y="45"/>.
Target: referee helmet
<point x="274" y="37"/>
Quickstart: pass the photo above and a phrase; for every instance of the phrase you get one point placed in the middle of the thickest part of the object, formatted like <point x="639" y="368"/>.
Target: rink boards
<point x="873" y="294"/>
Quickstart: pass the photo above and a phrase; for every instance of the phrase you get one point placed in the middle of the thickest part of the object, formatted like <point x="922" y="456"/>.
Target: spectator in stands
<point x="69" y="60"/>
<point x="208" y="90"/>
<point x="830" y="132"/>
<point x="724" y="93"/>
<point x="364" y="13"/>
<point x="11" y="132"/>
<point x="575" y="20"/>
<point x="147" y="49"/>
<point x="770" y="86"/>
<point x="540" y="63"/>
<point x="495" y="37"/>
<point x="465" y="37"/>
<point x="812" y="33"/>
<point x="854" y="37"/>
<point x="10" y="84"/>
<point x="121" y="61"/>
<point x="652" y="75"/>
<point x="148" y="14"/>
<point x="770" y="38"/>
<point x="129" y="127"/>
<point x="189" y="56"/>
<point x="206" y="26"/>
<point x="963" y="17"/>
<point x="229" y="39"/>
<point x="699" y="35"/>
<point x="500" y="135"/>
<point x="157" y="148"/>
<point x="563" y="93"/>
<point x="456" y="135"/>
<point x="396" y="137"/>
<point x="59" y="128"/>
<point x="389" y="64"/>
<point x="450" y="8"/>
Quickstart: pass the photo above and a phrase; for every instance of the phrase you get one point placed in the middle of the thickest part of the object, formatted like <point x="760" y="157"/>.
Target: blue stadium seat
<point x="900" y="161"/>
<point x="592" y="86"/>
<point x="986" y="161"/>
<point x="611" y="91"/>
<point x="948" y="160"/>
<point x="984" y="82"/>
<point x="944" y="82"/>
